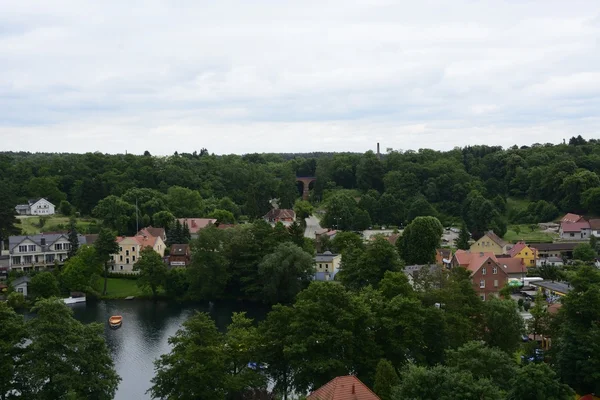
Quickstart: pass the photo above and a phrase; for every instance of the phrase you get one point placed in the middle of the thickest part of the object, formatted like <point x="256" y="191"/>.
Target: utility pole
<point x="137" y="224"/>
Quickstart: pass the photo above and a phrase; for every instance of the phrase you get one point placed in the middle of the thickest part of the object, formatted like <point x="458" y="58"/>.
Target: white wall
<point x="42" y="207"/>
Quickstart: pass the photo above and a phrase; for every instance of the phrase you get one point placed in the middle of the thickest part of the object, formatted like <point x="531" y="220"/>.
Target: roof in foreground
<point x="343" y="388"/>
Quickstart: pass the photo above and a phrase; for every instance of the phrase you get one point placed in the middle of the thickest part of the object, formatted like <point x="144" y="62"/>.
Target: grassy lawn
<point x="121" y="288"/>
<point x="30" y="225"/>
<point x="527" y="235"/>
<point x="516" y="204"/>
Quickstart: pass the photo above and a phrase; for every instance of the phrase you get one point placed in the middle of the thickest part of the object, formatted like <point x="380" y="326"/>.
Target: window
<point x="32" y="247"/>
<point x="121" y="268"/>
<point x="49" y="258"/>
<point x="120" y="258"/>
<point x="482" y="283"/>
<point x="482" y="295"/>
<point x="526" y="253"/>
<point x="28" y="259"/>
<point x="112" y="258"/>
<point x="572" y="235"/>
<point x="126" y="252"/>
<point x="495" y="270"/>
<point x="127" y="261"/>
<point x="495" y="282"/>
<point x="66" y="246"/>
<point x="120" y="249"/>
<point x="23" y="249"/>
<point x="483" y="271"/>
<point x="16" y="260"/>
<point x="58" y="246"/>
<point x="20" y="290"/>
<point x="133" y="258"/>
<point x="112" y="267"/>
<point x="132" y="248"/>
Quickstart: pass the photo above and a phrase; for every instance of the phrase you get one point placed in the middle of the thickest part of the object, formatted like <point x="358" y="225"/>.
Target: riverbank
<point x="119" y="288"/>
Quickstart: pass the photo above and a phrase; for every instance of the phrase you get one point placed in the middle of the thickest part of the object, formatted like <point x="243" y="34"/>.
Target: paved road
<point x="312" y="225"/>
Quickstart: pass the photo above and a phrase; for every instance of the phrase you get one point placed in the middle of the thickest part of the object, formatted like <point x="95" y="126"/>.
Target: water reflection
<point x="144" y="335"/>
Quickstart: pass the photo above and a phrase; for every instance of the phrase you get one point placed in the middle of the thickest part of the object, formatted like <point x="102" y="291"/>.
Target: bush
<point x="118" y="275"/>
<point x="17" y="300"/>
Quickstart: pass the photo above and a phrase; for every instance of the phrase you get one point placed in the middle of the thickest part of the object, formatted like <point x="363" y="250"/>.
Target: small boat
<point x="115" y="321"/>
<point x="74" y="300"/>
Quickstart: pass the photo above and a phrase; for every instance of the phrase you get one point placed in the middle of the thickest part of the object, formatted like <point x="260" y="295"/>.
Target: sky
<point x="239" y="76"/>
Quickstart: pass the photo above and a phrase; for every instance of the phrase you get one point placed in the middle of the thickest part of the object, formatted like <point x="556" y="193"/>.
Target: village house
<point x="36" y="207"/>
<point x="284" y="215"/>
<point x="575" y="230"/>
<point x="327" y="265"/>
<point x="195" y="224"/>
<point x="179" y="255"/>
<point x="21" y="285"/>
<point x="152" y="231"/>
<point x="343" y="388"/>
<point x="129" y="251"/>
<point x="524" y="252"/>
<point x="550" y="261"/>
<point x="413" y="272"/>
<point x="595" y="227"/>
<point x="551" y="290"/>
<point x="570" y="218"/>
<point x="29" y="253"/>
<point x="487" y="275"/>
<point x="559" y="249"/>
<point x="490" y="242"/>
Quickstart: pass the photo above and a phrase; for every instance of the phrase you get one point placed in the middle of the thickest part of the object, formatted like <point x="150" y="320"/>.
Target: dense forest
<point x="470" y="184"/>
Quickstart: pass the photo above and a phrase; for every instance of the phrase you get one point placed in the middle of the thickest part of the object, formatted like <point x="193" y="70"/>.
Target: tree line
<point x="470" y="183"/>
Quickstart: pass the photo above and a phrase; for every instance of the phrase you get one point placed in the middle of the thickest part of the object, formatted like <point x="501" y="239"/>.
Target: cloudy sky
<point x="239" y="76"/>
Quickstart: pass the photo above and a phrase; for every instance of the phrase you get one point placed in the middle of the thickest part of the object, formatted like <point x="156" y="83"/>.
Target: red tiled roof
<point x="393" y="238"/>
<point x="575" y="226"/>
<point x="466" y="258"/>
<point x="570" y="217"/>
<point x="517" y="248"/>
<point x="343" y="388"/>
<point x="195" y="224"/>
<point x="145" y="240"/>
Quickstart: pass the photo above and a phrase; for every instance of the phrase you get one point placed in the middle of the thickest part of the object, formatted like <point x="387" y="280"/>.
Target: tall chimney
<point x="353" y="389"/>
<point x="378" y="153"/>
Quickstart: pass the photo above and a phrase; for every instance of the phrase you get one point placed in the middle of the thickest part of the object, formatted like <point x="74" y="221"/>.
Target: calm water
<point x="144" y="335"/>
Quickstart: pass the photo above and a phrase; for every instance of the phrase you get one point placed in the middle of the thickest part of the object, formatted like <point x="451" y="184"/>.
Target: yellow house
<point x="130" y="248"/>
<point x="524" y="252"/>
<point x="490" y="242"/>
<point x="327" y="265"/>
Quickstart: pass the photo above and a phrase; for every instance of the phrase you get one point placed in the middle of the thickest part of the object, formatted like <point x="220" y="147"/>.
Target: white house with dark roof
<point x="28" y="253"/>
<point x="36" y="207"/>
<point x="327" y="265"/>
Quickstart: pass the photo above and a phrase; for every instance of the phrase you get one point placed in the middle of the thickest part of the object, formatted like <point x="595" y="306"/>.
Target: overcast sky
<point x="246" y="76"/>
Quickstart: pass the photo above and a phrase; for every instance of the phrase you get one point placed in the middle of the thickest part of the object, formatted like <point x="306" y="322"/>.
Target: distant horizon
<point x="383" y="150"/>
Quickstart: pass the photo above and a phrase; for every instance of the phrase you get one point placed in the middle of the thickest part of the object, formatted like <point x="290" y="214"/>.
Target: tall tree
<point x="584" y="252"/>
<point x="285" y="272"/>
<point x="503" y="325"/>
<point x="66" y="356"/>
<point x="419" y="240"/>
<point x="208" y="273"/>
<point x="463" y="237"/>
<point x="362" y="268"/>
<point x="82" y="271"/>
<point x="8" y="219"/>
<point x="13" y="335"/>
<point x="153" y="271"/>
<point x="44" y="285"/>
<point x="538" y="382"/>
<point x="386" y="379"/>
<point x="73" y="238"/>
<point x="106" y="245"/>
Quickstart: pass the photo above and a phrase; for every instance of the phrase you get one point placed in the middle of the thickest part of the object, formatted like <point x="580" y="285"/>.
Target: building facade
<point x="129" y="251"/>
<point x="36" y="207"/>
<point x="179" y="256"/>
<point x="327" y="265"/>
<point x="490" y="242"/>
<point x="32" y="252"/>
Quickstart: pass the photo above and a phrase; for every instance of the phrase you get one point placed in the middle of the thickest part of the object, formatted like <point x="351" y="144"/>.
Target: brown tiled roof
<point x="465" y="257"/>
<point x="594" y="224"/>
<point x="393" y="238"/>
<point x="575" y="226"/>
<point x="179" y="249"/>
<point x="570" y="217"/>
<point x="496" y="239"/>
<point x="152" y="231"/>
<point x="512" y="265"/>
<point x="343" y="388"/>
<point x="280" y="213"/>
<point x="145" y="241"/>
<point x="564" y="246"/>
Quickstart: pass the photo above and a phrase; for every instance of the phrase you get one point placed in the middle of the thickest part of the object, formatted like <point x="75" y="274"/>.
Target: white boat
<point x="73" y="300"/>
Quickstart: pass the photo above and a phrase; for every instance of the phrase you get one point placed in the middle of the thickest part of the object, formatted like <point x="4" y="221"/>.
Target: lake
<point x="143" y="337"/>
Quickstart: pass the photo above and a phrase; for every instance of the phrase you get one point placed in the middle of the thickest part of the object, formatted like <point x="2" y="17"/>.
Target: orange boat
<point x="115" y="321"/>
